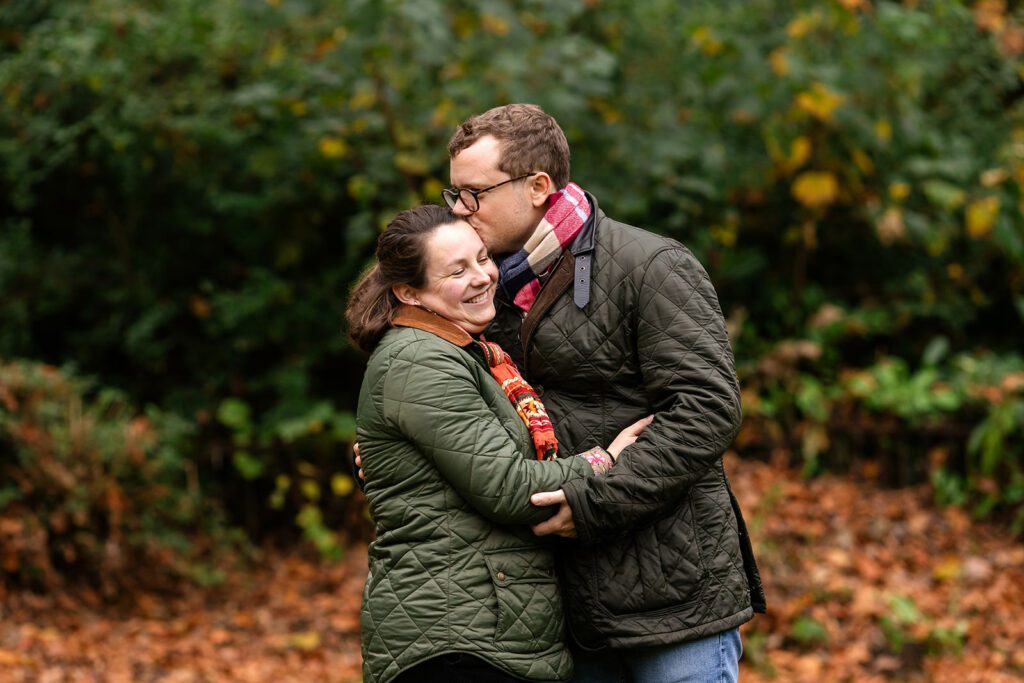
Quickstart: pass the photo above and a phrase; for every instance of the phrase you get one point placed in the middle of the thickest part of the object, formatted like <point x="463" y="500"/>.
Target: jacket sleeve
<point x="432" y="397"/>
<point x="690" y="378"/>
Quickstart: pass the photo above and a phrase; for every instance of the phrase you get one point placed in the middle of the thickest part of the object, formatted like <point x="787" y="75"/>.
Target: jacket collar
<point x="584" y="242"/>
<point x="421" y="319"/>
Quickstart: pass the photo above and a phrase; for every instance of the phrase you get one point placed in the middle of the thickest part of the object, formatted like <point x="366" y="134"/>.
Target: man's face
<point x="507" y="215"/>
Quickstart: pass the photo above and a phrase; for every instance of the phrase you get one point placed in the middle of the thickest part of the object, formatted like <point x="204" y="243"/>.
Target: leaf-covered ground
<point x="863" y="584"/>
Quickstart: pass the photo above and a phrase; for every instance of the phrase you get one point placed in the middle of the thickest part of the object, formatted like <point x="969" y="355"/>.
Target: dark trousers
<point x="455" y="668"/>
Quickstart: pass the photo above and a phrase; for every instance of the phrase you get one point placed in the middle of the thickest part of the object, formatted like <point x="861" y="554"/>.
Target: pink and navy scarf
<point x="568" y="211"/>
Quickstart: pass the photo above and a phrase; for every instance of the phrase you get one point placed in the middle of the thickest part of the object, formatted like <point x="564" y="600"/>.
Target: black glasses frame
<point x="471" y="198"/>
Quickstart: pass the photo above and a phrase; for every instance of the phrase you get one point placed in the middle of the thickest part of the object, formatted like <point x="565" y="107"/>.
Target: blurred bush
<point x="93" y="492"/>
<point x="188" y="188"/>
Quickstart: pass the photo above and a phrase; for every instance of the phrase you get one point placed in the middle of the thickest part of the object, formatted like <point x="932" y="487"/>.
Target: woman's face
<point x="460" y="278"/>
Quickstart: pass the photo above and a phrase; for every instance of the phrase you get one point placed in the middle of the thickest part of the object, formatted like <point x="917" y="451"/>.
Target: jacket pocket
<point x="529" y="605"/>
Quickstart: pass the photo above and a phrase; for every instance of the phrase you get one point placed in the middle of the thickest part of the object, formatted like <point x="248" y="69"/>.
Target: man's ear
<point x="541" y="186"/>
<point x="406" y="294"/>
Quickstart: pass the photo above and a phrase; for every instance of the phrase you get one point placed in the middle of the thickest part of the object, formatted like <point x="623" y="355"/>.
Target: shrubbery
<point x="95" y="493"/>
<point x="188" y="188"/>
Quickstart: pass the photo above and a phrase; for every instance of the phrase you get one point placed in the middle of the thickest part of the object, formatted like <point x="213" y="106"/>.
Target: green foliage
<point x="809" y="632"/>
<point x="906" y="626"/>
<point x="188" y="189"/>
<point x="93" y="490"/>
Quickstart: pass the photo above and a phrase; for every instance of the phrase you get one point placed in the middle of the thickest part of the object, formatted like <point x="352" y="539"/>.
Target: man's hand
<point x="561" y="524"/>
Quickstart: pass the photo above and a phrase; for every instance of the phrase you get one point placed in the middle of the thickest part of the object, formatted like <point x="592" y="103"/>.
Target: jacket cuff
<point x="575" y="497"/>
<point x="600" y="460"/>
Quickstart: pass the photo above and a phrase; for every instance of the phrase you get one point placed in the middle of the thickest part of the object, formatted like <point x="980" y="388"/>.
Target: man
<point x="611" y="323"/>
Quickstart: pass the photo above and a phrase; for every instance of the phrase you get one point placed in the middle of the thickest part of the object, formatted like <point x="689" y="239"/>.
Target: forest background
<point x="189" y="188"/>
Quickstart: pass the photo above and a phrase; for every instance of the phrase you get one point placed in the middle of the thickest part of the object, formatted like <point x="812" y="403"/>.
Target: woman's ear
<point x="541" y="186"/>
<point x="407" y="294"/>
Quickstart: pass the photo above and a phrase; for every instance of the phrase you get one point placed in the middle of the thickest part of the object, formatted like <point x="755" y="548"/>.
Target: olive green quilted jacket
<point x="449" y="471"/>
<point x="628" y="324"/>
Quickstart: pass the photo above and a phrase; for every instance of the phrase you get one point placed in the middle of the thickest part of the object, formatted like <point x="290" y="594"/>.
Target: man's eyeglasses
<point x="471" y="198"/>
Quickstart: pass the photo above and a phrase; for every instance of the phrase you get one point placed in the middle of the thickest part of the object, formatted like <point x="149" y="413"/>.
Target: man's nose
<point x="460" y="209"/>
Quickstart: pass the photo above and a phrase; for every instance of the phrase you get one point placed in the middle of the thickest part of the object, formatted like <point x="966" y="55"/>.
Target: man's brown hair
<point x="531" y="140"/>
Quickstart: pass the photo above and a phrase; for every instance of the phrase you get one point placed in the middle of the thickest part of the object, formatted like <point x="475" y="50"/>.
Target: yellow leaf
<point x="706" y="41"/>
<point x="820" y="101"/>
<point x="360" y="187"/>
<point x="799" y="153"/>
<point x="304" y="640"/>
<point x="310" y="489"/>
<point x="948" y="569"/>
<point x="413" y="163"/>
<point x="431" y="189"/>
<point x="276" y="54"/>
<point x="493" y="24"/>
<point x="609" y="113"/>
<point x="743" y="117"/>
<point x="342" y="485"/>
<point x="780" y="65"/>
<point x="863" y="162"/>
<point x="981" y="216"/>
<point x="955" y="271"/>
<point x="363" y="98"/>
<point x="816" y="189"/>
<point x="332" y="147"/>
<point x="883" y="130"/>
<point x="899" y="191"/>
<point x="724" y="234"/>
<point x="801" y="26"/>
<point x="298" y="107"/>
<point x="442" y="113"/>
<point x="994" y="176"/>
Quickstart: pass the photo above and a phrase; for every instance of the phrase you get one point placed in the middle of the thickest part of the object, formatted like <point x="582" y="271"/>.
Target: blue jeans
<point x="715" y="659"/>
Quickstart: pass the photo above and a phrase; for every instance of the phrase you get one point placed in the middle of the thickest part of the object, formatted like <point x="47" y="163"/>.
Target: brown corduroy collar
<point x="413" y="316"/>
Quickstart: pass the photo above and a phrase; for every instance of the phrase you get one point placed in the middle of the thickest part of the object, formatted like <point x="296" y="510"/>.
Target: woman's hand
<point x="628" y="436"/>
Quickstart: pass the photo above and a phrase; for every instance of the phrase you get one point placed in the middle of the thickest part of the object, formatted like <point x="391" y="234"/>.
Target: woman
<point x="459" y="588"/>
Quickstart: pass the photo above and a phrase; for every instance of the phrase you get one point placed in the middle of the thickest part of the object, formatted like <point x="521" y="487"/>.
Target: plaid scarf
<point x="524" y="398"/>
<point x="568" y="210"/>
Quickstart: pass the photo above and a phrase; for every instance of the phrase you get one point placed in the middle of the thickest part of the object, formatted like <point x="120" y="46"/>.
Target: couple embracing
<point x="541" y="436"/>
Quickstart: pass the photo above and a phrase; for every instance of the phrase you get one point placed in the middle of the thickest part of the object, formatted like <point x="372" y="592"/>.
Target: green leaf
<point x="234" y="413"/>
<point x="809" y="631"/>
<point x="248" y="466"/>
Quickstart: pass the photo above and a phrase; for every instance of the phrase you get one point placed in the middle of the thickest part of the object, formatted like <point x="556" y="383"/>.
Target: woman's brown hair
<point x="401" y="260"/>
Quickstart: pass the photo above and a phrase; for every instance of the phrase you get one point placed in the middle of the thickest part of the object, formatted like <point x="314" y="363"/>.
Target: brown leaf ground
<point x="864" y="584"/>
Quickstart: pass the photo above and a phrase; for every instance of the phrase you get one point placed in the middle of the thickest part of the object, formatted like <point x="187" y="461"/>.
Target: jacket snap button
<point x="500" y="576"/>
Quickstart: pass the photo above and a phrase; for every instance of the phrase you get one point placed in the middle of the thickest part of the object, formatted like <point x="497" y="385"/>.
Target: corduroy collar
<point x="414" y="316"/>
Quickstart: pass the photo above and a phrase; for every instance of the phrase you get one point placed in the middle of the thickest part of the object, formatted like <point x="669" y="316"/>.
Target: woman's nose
<point x="482" y="274"/>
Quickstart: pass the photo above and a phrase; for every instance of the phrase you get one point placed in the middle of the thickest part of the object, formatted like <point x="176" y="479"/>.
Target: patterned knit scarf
<point x="568" y="210"/>
<point x="524" y="398"/>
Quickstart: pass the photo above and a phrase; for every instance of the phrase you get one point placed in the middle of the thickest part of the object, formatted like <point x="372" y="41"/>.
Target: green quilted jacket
<point x="628" y="324"/>
<point x="449" y="472"/>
